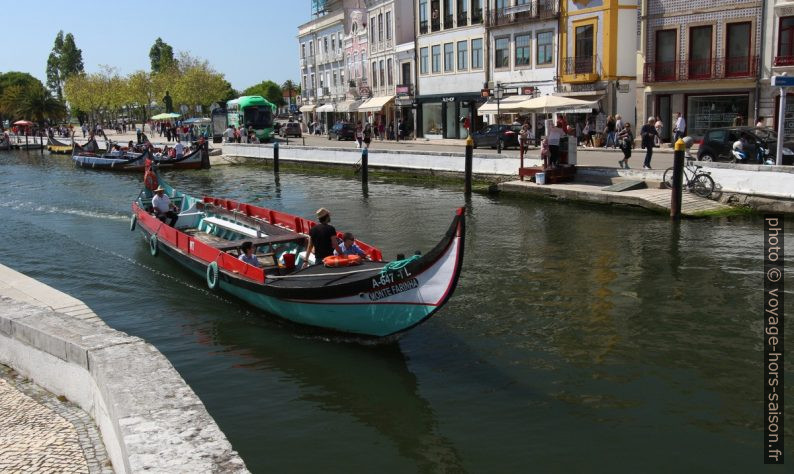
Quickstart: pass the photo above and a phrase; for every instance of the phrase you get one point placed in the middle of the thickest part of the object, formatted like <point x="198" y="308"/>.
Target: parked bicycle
<point x="695" y="180"/>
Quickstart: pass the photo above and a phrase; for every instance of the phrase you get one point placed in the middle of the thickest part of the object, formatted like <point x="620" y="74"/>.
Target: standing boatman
<point x="322" y="238"/>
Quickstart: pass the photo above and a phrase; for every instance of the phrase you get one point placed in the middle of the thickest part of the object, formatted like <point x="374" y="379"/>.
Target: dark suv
<point x="490" y="136"/>
<point x="717" y="144"/>
<point x="342" y="131"/>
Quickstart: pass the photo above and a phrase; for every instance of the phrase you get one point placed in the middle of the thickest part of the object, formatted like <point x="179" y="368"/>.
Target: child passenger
<point x="349" y="246"/>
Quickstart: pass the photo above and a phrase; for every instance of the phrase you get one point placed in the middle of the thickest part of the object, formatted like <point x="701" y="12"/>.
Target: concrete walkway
<point x="652" y="199"/>
<point x="41" y="433"/>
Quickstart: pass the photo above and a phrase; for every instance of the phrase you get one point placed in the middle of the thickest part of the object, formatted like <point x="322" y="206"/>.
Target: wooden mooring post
<point x="468" y="165"/>
<point x="275" y="157"/>
<point x="365" y="165"/>
<point x="678" y="178"/>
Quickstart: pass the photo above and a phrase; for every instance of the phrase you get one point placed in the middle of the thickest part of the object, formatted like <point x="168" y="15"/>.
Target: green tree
<point x="267" y="89"/>
<point x="13" y="85"/>
<point x="161" y="56"/>
<point x="71" y="57"/>
<point x="53" y="66"/>
<point x="66" y="59"/>
<point x="33" y="101"/>
<point x="290" y="89"/>
<point x="140" y="91"/>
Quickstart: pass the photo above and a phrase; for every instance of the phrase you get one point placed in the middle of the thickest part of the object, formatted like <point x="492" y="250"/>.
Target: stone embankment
<point x="149" y="418"/>
<point x="757" y="187"/>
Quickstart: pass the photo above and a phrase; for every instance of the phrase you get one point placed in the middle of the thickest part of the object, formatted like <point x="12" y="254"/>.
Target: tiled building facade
<point x="700" y="58"/>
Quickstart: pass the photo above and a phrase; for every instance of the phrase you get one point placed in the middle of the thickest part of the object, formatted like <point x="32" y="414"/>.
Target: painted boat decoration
<point x="376" y="299"/>
<point x="58" y="147"/>
<point x="131" y="161"/>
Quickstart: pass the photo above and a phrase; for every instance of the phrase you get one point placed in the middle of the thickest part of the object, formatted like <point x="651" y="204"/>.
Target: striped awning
<point x="307" y="108"/>
<point x="504" y="105"/>
<point x="325" y="108"/>
<point x="375" y="104"/>
<point x="348" y="106"/>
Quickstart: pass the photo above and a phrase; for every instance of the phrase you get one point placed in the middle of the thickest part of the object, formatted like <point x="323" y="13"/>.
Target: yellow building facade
<point x="598" y="45"/>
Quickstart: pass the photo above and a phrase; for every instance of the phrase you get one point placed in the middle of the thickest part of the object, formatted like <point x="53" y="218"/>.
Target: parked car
<point x="290" y="129"/>
<point x="342" y="131"/>
<point x="508" y="134"/>
<point x="717" y="144"/>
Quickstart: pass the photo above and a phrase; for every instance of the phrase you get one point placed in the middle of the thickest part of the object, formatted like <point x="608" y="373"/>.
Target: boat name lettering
<point x="389" y="278"/>
<point x="393" y="290"/>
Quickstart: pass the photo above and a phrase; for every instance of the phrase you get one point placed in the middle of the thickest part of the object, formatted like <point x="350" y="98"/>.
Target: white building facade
<point x="390" y="23"/>
<point x="777" y="59"/>
<point x="324" y="77"/>
<point x="452" y="65"/>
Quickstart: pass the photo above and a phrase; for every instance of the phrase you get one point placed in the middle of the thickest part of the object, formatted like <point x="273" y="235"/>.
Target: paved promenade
<point x="43" y="434"/>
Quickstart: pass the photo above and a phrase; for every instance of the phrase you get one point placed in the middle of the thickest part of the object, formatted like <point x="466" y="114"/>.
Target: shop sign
<point x="364" y="91"/>
<point x="527" y="90"/>
<point x="405" y="90"/>
<point x="447" y="99"/>
<point x="623" y="88"/>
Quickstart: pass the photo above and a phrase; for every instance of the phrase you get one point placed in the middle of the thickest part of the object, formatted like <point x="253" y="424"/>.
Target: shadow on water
<point x="371" y="384"/>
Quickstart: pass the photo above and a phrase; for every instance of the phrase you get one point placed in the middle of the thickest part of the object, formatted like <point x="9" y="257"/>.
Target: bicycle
<point x="695" y="180"/>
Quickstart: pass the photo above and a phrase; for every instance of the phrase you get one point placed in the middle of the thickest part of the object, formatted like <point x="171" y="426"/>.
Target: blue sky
<point x="248" y="41"/>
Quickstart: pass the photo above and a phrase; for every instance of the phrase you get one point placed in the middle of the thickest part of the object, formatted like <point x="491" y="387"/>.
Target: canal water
<point x="580" y="338"/>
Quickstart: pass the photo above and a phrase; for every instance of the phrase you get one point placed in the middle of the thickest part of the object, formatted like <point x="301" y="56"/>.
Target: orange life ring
<point x="150" y="181"/>
<point x="342" y="260"/>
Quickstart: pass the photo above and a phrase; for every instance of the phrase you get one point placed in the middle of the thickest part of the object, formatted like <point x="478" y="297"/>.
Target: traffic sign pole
<point x="781" y="121"/>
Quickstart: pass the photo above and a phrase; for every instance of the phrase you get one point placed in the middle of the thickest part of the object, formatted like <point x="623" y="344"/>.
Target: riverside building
<point x="700" y="58"/>
<point x="523" y="49"/>
<point x="778" y="58"/>
<point x="390" y="61"/>
<point x="452" y="65"/>
<point x="598" y="60"/>
<point x="322" y="59"/>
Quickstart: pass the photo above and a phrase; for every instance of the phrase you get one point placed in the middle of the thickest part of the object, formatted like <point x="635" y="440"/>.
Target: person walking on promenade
<point x="586" y="135"/>
<point x="610" y="132"/>
<point x="738" y="121"/>
<point x="659" y="126"/>
<point x="648" y="135"/>
<point x="359" y="134"/>
<point x="760" y="122"/>
<point x="367" y="135"/>
<point x="554" y="133"/>
<point x="626" y="143"/>
<point x="679" y="130"/>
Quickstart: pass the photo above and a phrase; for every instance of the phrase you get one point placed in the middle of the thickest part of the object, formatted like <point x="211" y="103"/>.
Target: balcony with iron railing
<point x="423" y="27"/>
<point x="783" y="61"/>
<point x="744" y="67"/>
<point x="449" y="21"/>
<point x="537" y="10"/>
<point x="435" y="25"/>
<point x="307" y="94"/>
<point x="463" y="18"/>
<point x="476" y="16"/>
<point x="580" y="69"/>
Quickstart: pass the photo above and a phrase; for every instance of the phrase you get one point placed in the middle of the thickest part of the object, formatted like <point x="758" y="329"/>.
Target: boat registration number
<point x="389" y="278"/>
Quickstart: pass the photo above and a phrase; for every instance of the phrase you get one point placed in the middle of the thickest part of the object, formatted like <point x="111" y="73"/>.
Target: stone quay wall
<point x="770" y="182"/>
<point x="149" y="418"/>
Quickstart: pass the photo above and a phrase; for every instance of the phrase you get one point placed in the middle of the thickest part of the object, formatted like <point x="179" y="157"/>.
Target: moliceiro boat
<point x="375" y="299"/>
<point x="135" y="161"/>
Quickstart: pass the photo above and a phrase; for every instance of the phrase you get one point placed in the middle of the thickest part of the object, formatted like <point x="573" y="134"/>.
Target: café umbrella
<point x="549" y="104"/>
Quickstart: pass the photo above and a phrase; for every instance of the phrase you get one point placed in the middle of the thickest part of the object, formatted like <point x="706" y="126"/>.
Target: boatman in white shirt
<point x="179" y="148"/>
<point x="163" y="208"/>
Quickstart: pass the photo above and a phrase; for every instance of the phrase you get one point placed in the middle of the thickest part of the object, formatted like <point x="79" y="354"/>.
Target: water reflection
<point x="372" y="384"/>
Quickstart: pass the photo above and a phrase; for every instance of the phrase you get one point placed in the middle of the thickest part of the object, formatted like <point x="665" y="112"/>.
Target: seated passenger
<point x="248" y="254"/>
<point x="163" y="208"/>
<point x="349" y="247"/>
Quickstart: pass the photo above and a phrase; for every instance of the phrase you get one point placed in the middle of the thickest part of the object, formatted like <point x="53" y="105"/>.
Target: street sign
<point x="485" y="93"/>
<point x="782" y="81"/>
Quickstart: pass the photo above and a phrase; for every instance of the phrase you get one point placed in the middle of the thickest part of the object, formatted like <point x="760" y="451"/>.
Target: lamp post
<point x="498" y="94"/>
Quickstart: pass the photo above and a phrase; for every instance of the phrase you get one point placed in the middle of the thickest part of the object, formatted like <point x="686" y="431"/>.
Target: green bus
<point x="254" y="111"/>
